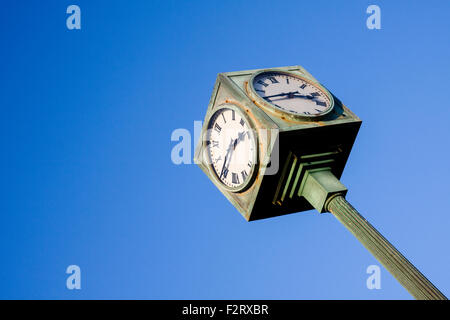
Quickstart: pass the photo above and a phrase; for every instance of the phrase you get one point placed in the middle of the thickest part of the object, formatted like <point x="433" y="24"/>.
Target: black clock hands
<point x="279" y="95"/>
<point x="229" y="150"/>
<point x="309" y="97"/>
<point x="241" y="136"/>
<point x="294" y="94"/>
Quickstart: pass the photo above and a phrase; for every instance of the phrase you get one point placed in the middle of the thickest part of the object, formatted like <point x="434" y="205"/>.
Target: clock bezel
<point x="284" y="113"/>
<point x="207" y="156"/>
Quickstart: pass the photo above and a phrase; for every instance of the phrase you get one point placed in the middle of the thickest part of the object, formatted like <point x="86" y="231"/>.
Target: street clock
<point x="264" y="131"/>
<point x="275" y="141"/>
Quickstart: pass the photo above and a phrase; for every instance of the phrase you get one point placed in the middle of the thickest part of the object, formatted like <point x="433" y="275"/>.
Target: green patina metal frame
<point x="332" y="133"/>
<point x="312" y="156"/>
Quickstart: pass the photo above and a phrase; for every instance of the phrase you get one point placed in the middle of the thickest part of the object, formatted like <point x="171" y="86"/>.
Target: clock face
<point x="292" y="94"/>
<point x="231" y="147"/>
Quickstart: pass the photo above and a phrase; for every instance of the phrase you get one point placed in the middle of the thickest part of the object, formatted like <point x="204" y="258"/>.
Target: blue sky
<point x="86" y="172"/>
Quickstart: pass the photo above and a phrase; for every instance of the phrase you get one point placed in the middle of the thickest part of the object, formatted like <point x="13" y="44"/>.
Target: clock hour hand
<point x="241" y="136"/>
<point x="310" y="97"/>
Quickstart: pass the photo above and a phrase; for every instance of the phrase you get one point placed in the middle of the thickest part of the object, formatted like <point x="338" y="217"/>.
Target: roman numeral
<point x="287" y="80"/>
<point x="303" y="86"/>
<point x="215" y="143"/>
<point x="249" y="164"/>
<point x="262" y="91"/>
<point x="223" y="116"/>
<point x="244" y="175"/>
<point x="273" y="80"/>
<point x="217" y="127"/>
<point x="315" y="94"/>
<point x="235" y="178"/>
<point x="242" y="122"/>
<point x="232" y="115"/>
<point x="321" y="103"/>
<point x="262" y="83"/>
<point x="306" y="112"/>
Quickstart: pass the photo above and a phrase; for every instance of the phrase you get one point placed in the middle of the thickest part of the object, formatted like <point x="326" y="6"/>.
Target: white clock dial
<point x="231" y="147"/>
<point x="292" y="94"/>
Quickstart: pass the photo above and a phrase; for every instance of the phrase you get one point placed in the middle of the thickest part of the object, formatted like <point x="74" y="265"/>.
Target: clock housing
<point x="287" y="145"/>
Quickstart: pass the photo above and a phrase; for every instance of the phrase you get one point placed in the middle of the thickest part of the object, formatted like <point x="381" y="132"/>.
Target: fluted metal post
<point x="408" y="276"/>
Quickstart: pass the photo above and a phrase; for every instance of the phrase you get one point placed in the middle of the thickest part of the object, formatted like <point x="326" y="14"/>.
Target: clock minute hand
<point x="293" y="94"/>
<point x="279" y="95"/>
<point x="230" y="148"/>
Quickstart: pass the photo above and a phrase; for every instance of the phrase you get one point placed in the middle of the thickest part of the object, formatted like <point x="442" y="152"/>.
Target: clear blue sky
<point x="86" y="172"/>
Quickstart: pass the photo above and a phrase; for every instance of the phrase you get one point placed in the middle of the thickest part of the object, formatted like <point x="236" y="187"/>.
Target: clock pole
<point x="408" y="275"/>
<point x="327" y="194"/>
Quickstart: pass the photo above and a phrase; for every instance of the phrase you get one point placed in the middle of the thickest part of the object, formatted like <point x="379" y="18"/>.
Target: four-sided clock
<point x="266" y="132"/>
<point x="275" y="142"/>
